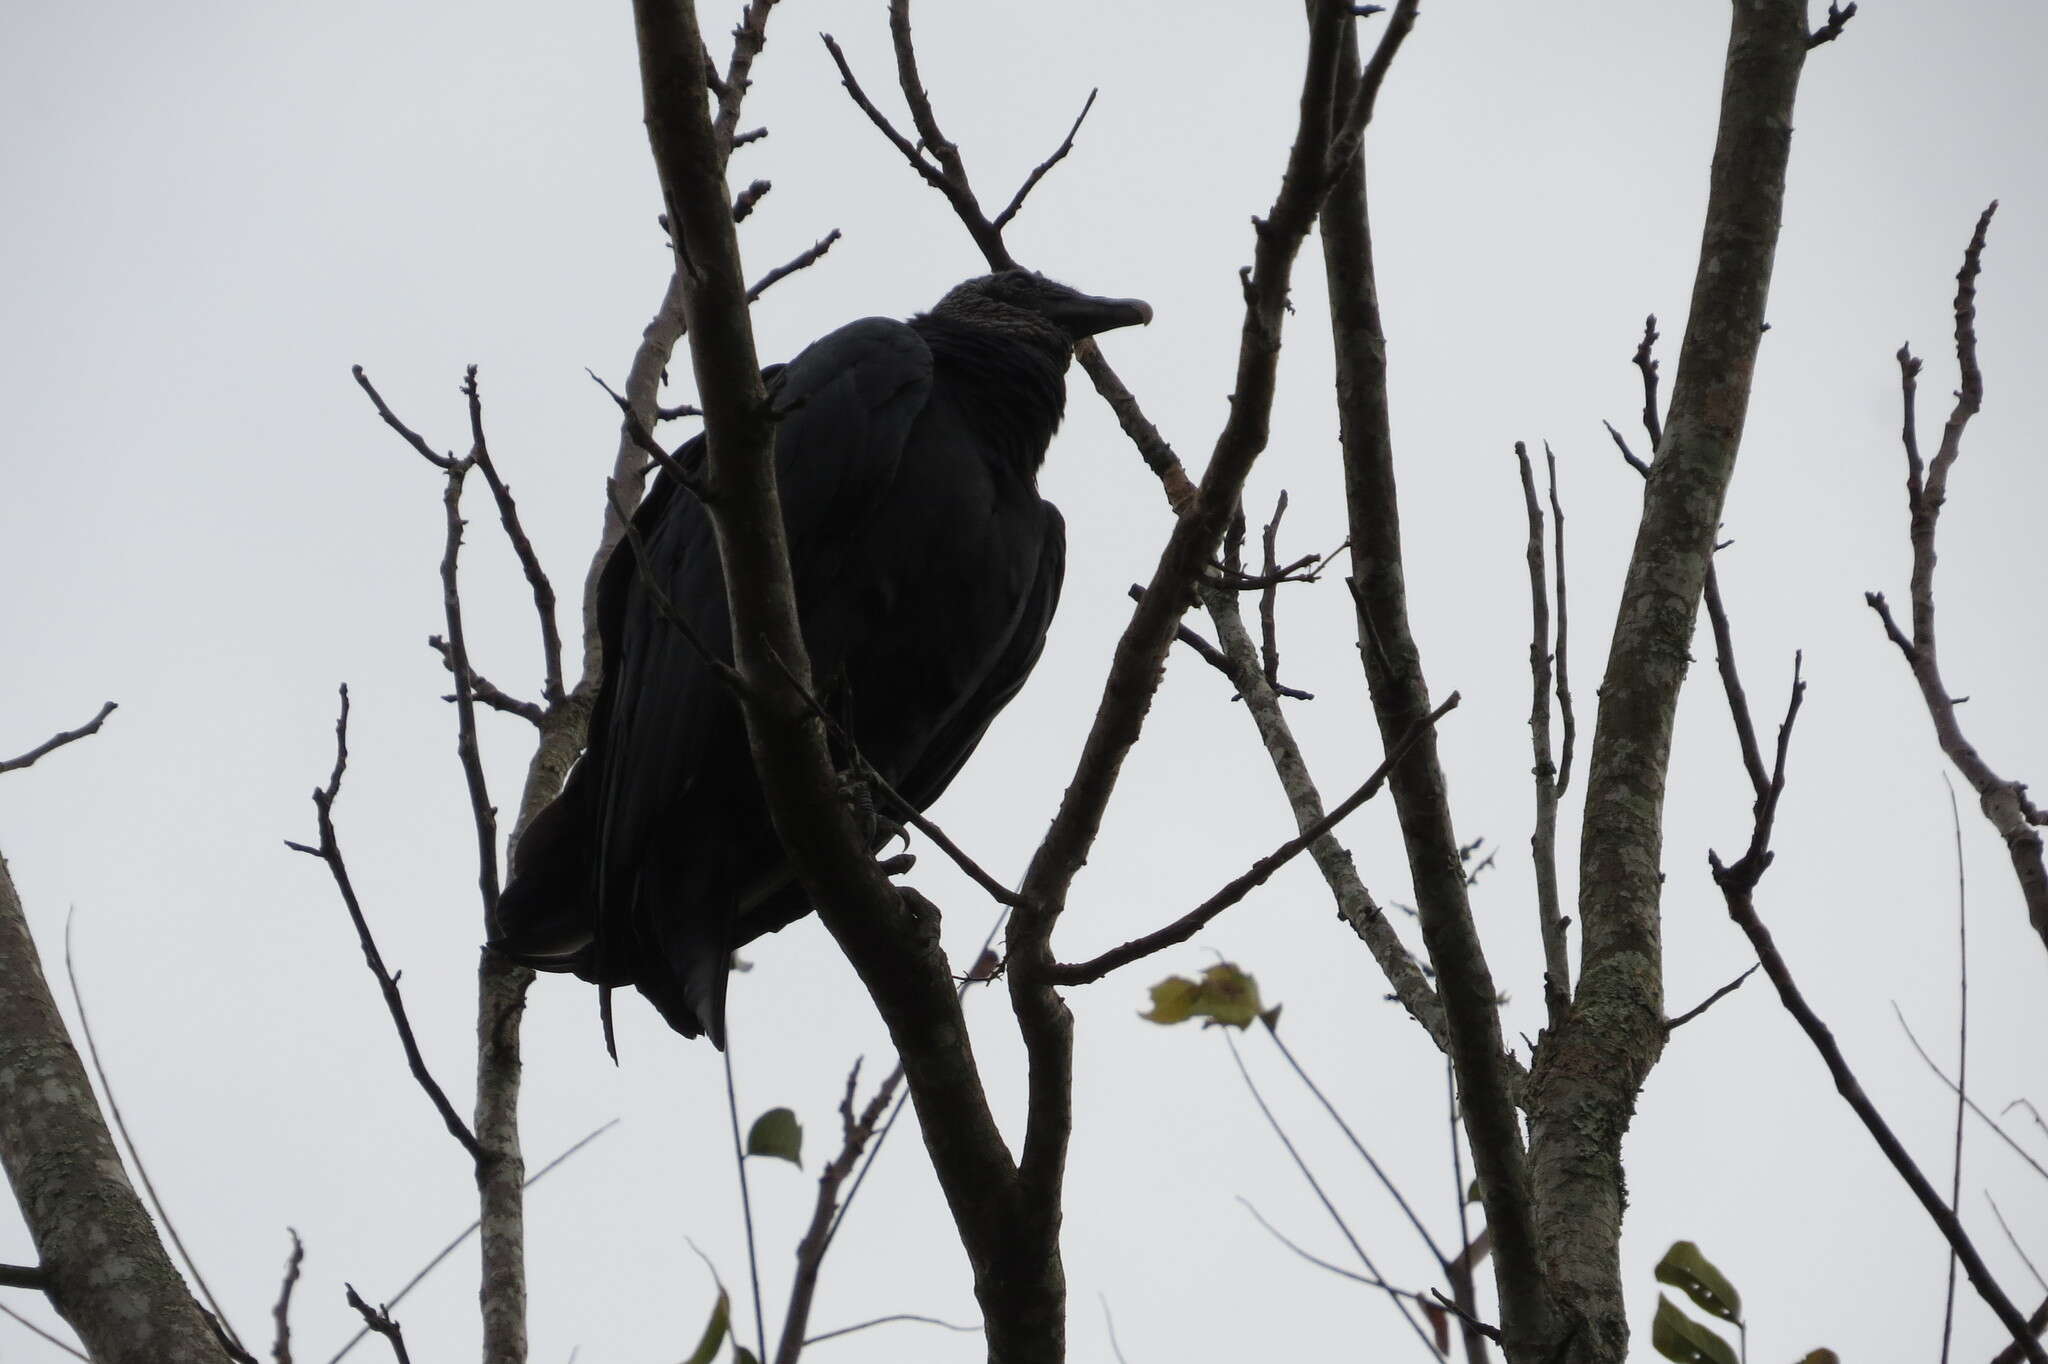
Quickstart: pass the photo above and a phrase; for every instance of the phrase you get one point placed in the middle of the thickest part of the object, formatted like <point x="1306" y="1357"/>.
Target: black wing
<point x="636" y="872"/>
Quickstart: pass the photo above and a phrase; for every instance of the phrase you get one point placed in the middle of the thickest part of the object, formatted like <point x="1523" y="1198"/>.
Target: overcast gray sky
<point x="214" y="209"/>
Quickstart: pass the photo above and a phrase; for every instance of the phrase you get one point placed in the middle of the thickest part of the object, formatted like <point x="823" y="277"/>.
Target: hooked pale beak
<point x="1086" y="316"/>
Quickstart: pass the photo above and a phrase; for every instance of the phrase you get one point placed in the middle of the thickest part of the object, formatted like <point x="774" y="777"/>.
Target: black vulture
<point x="926" y="568"/>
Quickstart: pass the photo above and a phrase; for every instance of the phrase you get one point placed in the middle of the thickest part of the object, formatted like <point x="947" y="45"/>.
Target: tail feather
<point x="682" y="920"/>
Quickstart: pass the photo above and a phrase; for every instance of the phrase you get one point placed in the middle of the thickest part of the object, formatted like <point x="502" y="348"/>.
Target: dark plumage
<point x="927" y="568"/>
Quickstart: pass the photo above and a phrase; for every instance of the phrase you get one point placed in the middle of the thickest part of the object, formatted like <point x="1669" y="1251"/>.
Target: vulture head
<point x="1027" y="304"/>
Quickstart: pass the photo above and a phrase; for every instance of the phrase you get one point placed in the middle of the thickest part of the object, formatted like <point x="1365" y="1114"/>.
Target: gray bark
<point x="1587" y="1074"/>
<point x="109" y="1275"/>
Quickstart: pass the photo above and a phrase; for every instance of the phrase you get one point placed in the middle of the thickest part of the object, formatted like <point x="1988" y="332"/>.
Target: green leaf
<point x="1173" y="1000"/>
<point x="1688" y="1271"/>
<point x="714" y="1331"/>
<point x="1821" y="1356"/>
<point x="777" y="1133"/>
<point x="1678" y="1337"/>
<point x="1224" y="994"/>
<point x="742" y="1355"/>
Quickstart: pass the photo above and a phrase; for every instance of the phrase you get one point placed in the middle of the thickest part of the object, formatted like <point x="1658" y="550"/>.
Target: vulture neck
<point x="1010" y="389"/>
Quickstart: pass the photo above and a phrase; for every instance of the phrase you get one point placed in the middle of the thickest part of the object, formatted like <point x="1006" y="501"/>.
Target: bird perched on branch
<point x="926" y="568"/>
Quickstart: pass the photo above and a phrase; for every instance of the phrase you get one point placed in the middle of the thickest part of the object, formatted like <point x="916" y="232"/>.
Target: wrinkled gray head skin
<point x="1027" y="304"/>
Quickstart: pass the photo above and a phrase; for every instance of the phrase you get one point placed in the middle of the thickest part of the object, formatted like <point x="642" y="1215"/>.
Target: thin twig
<point x="872" y="775"/>
<point x="435" y="1263"/>
<point x="1269" y="591"/>
<point x="32" y="1277"/>
<point x="743" y="204"/>
<point x="163" y="1215"/>
<point x="643" y="439"/>
<point x="1744" y="913"/>
<point x="66" y="1347"/>
<point x="468" y="752"/>
<point x="486" y="691"/>
<point x="1838" y="19"/>
<point x="2018" y="1249"/>
<point x="522" y="548"/>
<point x="1355" y="903"/>
<point x="739" y="1160"/>
<point x="747" y="41"/>
<point x="1568" y="724"/>
<point x="1557" y="978"/>
<point x="445" y="463"/>
<point x="856" y="1131"/>
<point x="1955" y="1192"/>
<point x="1152" y="447"/>
<point x="804" y="259"/>
<point x="379" y="1320"/>
<point x="884" y="1321"/>
<point x="1387" y="1183"/>
<point x="281" y="1346"/>
<point x="1645" y="360"/>
<point x="1038" y="172"/>
<point x="1709" y="1002"/>
<point x="57" y="741"/>
<point x="1394" y="1294"/>
<point x="329" y="851"/>
<point x="1621" y="444"/>
<point x="1109" y="1325"/>
<point x="1185" y="927"/>
<point x="1963" y="1096"/>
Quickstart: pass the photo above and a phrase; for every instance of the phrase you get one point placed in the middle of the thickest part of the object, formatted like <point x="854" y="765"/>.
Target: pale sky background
<point x="214" y="209"/>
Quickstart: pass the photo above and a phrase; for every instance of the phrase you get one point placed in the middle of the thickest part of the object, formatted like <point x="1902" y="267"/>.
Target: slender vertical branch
<point x="1955" y="1189"/>
<point x="1557" y="980"/>
<point x="1487" y="1082"/>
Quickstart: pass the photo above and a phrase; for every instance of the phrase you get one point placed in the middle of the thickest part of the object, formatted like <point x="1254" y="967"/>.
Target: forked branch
<point x="2004" y="802"/>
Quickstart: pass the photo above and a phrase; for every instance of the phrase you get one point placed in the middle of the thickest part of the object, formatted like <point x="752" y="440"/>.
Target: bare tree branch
<point x="1596" y="1063"/>
<point x="329" y="851"/>
<point x="1355" y="902"/>
<point x="379" y="1320"/>
<point x="484" y="690"/>
<point x="1738" y="887"/>
<point x="804" y="259"/>
<point x="890" y="937"/>
<point x="57" y="741"/>
<point x="529" y="562"/>
<point x="1963" y="1097"/>
<point x="1038" y="172"/>
<point x="1743" y="911"/>
<point x="856" y="1132"/>
<point x="1192" y="922"/>
<point x="1557" y="977"/>
<point x="1710" y="1001"/>
<point x="1393" y="1189"/>
<point x="2003" y="802"/>
<point x="1955" y="1191"/>
<point x="1838" y="19"/>
<point x="2014" y="1241"/>
<point x="884" y="1321"/>
<point x="281" y="1345"/>
<point x="420" y="1275"/>
<point x="1372" y="1273"/>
